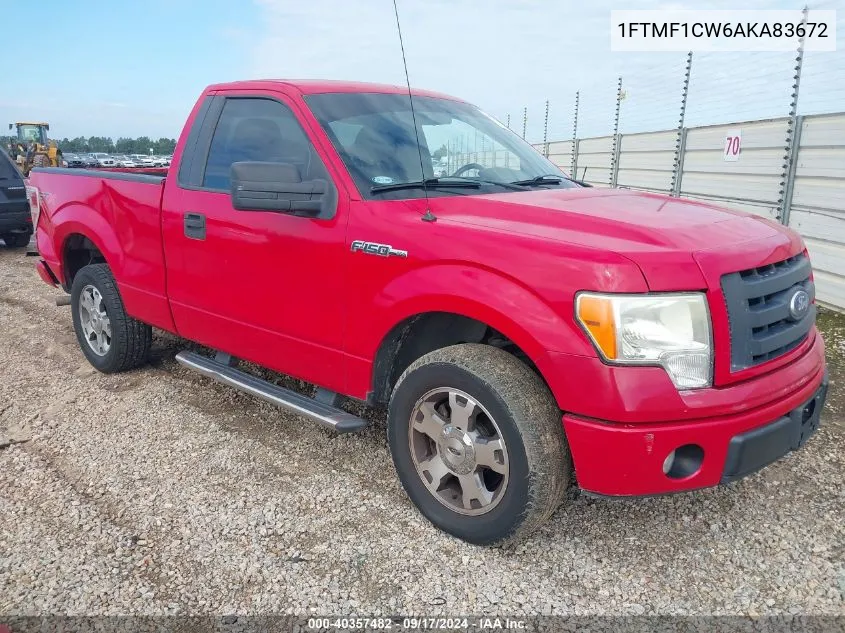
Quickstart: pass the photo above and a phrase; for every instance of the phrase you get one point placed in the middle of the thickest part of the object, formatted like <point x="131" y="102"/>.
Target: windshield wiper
<point x="507" y="185"/>
<point x="545" y="179"/>
<point x="438" y="183"/>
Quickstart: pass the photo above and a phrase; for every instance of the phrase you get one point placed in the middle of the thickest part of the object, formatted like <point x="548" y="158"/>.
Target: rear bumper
<point x="45" y="273"/>
<point x="624" y="459"/>
<point x="16" y="219"/>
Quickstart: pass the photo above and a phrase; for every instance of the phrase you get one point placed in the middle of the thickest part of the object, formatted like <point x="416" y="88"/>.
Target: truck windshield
<point x="374" y="135"/>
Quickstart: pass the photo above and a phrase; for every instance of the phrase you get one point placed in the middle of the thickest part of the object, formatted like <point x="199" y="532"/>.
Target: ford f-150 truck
<point x="522" y="329"/>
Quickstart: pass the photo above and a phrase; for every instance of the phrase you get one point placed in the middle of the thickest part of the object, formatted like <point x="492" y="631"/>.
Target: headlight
<point x="670" y="330"/>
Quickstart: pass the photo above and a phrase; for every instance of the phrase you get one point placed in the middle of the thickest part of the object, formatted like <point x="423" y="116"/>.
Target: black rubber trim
<point x="750" y="451"/>
<point x="48" y="269"/>
<point x="187" y="158"/>
<point x="203" y="144"/>
<point x="107" y="175"/>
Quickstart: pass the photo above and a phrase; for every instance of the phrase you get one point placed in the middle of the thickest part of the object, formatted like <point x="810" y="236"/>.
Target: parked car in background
<point x="15" y="218"/>
<point x="124" y="161"/>
<point x="89" y="161"/>
<point x="104" y="160"/>
<point x="73" y="160"/>
<point x="161" y="161"/>
<point x="143" y="161"/>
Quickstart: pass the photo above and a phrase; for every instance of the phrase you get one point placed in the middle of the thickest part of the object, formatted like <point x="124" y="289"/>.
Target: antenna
<point x="428" y="216"/>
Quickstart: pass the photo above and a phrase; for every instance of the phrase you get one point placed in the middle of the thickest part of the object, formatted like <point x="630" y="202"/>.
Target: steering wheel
<point x="468" y="167"/>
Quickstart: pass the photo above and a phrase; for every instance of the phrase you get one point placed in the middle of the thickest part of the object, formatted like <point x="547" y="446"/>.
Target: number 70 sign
<point x="733" y="145"/>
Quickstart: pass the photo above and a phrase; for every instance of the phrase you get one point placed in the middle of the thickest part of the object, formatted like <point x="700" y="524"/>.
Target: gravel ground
<point x="160" y="492"/>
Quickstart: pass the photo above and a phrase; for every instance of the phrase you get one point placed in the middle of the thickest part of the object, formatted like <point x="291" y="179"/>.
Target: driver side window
<point x="263" y="130"/>
<point x="457" y="144"/>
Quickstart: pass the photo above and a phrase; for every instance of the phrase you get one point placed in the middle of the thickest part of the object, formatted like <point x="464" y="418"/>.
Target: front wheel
<point x="111" y="340"/>
<point x="478" y="444"/>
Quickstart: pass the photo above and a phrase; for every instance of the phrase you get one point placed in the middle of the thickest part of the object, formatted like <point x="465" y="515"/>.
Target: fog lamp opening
<point x="684" y="461"/>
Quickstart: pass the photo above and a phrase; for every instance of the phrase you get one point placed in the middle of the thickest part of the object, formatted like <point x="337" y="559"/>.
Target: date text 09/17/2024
<point x="418" y="623"/>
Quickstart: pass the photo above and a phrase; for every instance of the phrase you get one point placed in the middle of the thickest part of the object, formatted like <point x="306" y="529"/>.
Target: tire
<point x="128" y="342"/>
<point x="511" y="407"/>
<point x="16" y="240"/>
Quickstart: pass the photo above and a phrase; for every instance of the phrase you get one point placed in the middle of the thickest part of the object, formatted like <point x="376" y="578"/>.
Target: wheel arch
<point x="418" y="334"/>
<point x="84" y="241"/>
<point x="499" y="305"/>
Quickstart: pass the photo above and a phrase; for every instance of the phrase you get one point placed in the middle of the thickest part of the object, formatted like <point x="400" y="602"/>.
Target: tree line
<point x="123" y="145"/>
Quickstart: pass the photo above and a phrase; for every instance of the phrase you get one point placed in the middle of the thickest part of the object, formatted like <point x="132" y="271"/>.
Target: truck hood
<point x="659" y="233"/>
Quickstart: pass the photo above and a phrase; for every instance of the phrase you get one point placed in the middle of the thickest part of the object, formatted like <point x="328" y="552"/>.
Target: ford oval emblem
<point x="799" y="305"/>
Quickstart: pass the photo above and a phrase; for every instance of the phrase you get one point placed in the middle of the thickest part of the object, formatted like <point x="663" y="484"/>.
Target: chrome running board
<point x="321" y="412"/>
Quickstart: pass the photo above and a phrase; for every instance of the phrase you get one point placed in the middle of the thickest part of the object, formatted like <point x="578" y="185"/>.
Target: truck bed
<point x="120" y="173"/>
<point x="120" y="212"/>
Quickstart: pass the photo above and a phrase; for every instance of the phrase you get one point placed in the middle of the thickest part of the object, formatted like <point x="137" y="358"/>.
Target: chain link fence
<point x="761" y="132"/>
<point x="694" y="90"/>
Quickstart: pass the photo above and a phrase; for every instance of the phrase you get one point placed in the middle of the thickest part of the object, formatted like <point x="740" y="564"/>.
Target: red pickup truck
<point x="522" y="329"/>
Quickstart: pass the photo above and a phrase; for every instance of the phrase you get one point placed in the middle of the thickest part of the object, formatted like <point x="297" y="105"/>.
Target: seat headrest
<point x="255" y="139"/>
<point x="387" y="151"/>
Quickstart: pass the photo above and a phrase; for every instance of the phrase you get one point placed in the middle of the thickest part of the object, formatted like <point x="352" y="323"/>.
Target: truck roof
<point x="317" y="86"/>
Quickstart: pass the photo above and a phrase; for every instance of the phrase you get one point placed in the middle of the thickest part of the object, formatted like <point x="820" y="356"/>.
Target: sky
<point x="129" y="68"/>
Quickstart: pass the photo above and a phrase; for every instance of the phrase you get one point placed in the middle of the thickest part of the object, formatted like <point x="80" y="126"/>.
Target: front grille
<point x="761" y="324"/>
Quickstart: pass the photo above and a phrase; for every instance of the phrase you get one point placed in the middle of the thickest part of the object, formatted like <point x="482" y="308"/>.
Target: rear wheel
<point x="111" y="340"/>
<point x="478" y="444"/>
<point x="16" y="240"/>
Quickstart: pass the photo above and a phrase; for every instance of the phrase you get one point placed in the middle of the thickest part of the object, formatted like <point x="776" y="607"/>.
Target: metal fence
<point x="676" y="90"/>
<point x="668" y="128"/>
<point x="788" y="169"/>
<point x="794" y="175"/>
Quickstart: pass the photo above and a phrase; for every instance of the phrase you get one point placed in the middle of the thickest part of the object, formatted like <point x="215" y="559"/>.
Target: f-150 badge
<point x="372" y="248"/>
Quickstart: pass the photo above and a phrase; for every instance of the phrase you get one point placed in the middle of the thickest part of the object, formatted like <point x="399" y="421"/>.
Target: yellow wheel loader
<point x="32" y="148"/>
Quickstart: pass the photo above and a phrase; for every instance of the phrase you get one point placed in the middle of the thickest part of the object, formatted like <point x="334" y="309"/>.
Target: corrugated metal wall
<point x="755" y="183"/>
<point x="560" y="153"/>
<point x="752" y="183"/>
<point x="646" y="161"/>
<point x="594" y="160"/>
<point x="818" y="202"/>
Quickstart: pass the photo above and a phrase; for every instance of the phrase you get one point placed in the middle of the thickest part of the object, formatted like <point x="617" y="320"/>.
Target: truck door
<point x="263" y="286"/>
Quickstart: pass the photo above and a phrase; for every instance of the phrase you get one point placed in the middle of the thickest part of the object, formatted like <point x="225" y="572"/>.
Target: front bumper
<point x="628" y="459"/>
<point x="750" y="451"/>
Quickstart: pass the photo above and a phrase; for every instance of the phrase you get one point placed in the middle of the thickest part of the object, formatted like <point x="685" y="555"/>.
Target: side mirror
<point x="260" y="186"/>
